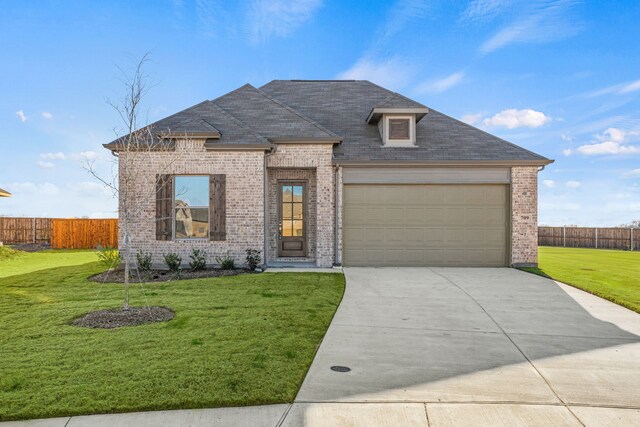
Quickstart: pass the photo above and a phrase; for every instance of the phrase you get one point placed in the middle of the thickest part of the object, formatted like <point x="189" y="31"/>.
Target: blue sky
<point x="561" y="78"/>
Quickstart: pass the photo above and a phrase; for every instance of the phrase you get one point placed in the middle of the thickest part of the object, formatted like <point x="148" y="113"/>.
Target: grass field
<point x="240" y="340"/>
<point x="613" y="275"/>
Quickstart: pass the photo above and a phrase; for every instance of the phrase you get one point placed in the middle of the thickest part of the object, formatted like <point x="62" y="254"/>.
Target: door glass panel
<point x="297" y="210"/>
<point x="287" y="191"/>
<point x="287" y="211"/>
<point x="287" y="229"/>
<point x="297" y="228"/>
<point x="297" y="193"/>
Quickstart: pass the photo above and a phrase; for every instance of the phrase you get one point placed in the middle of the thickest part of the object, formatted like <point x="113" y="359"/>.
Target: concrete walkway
<point x="451" y="347"/>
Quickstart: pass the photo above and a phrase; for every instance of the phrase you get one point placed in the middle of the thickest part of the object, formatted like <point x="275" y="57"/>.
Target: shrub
<point x="9" y="253"/>
<point x="144" y="263"/>
<point x="253" y="258"/>
<point x="226" y="262"/>
<point x="173" y="261"/>
<point x="109" y="257"/>
<point x="198" y="260"/>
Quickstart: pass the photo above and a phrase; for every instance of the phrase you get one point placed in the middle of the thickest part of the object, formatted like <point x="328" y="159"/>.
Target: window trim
<point x="410" y="142"/>
<point x="174" y="209"/>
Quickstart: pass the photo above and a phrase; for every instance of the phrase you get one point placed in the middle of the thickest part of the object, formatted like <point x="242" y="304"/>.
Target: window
<point x="191" y="207"/>
<point x="399" y="129"/>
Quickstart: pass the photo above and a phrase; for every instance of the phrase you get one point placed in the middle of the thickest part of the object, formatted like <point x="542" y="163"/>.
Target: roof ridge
<point x="297" y="113"/>
<point x="238" y="122"/>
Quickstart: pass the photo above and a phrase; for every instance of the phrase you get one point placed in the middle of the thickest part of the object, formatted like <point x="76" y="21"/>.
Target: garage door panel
<point x="416" y="225"/>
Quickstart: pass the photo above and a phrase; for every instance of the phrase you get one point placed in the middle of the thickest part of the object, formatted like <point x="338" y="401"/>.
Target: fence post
<point x="631" y="236"/>
<point x="564" y="237"/>
<point x="34" y="230"/>
<point x="596" y="237"/>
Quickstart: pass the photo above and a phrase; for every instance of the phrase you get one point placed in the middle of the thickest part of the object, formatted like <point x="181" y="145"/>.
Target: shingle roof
<point x="270" y="117"/>
<point x="337" y="110"/>
<point x="342" y="106"/>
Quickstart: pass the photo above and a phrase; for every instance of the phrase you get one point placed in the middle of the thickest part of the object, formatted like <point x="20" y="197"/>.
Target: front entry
<point x="292" y="219"/>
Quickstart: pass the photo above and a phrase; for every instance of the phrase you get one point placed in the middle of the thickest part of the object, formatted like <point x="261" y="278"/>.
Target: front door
<point x="292" y="221"/>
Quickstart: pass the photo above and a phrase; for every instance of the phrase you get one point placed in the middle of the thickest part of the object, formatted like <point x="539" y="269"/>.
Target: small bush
<point x="198" y="260"/>
<point x="173" y="261"/>
<point x="9" y="253"/>
<point x="144" y="263"/>
<point x="109" y="257"/>
<point x="253" y="258"/>
<point x="226" y="262"/>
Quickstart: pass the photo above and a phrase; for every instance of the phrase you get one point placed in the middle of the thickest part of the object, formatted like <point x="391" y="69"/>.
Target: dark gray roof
<point x="337" y="110"/>
<point x="342" y="106"/>
<point x="271" y="118"/>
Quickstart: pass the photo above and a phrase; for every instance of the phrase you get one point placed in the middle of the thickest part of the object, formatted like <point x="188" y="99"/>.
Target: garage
<point x="463" y="224"/>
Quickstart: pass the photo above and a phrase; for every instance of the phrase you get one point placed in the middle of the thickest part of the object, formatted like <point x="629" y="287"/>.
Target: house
<point x="341" y="172"/>
<point x="4" y="193"/>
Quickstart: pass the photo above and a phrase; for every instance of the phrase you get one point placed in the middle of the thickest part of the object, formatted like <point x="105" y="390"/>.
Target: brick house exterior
<point x="287" y="165"/>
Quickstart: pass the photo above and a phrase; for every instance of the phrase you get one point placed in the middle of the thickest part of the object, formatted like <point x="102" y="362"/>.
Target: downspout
<point x="266" y="206"/>
<point x="337" y="261"/>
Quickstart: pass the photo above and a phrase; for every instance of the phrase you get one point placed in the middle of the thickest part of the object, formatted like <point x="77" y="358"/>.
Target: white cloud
<point x="512" y="118"/>
<point x="440" y="85"/>
<point x="633" y="172"/>
<point x="540" y="22"/>
<point x="21" y="116"/>
<point x="566" y="137"/>
<point x="549" y="183"/>
<point x="619" y="89"/>
<point x="88" y="155"/>
<point x="392" y="73"/>
<point x="53" y="156"/>
<point x="472" y="119"/>
<point x="45" y="165"/>
<point x="567" y="151"/>
<point x="89" y="188"/>
<point x="279" y="18"/>
<point x="401" y="13"/>
<point x="612" y="141"/>
<point x="484" y="10"/>
<point x="573" y="184"/>
<point x="47" y="115"/>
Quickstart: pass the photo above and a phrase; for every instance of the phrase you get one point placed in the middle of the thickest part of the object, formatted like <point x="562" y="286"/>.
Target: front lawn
<point x="242" y="340"/>
<point x="613" y="275"/>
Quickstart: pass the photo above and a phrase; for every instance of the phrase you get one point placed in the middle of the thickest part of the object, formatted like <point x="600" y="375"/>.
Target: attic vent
<point x="399" y="129"/>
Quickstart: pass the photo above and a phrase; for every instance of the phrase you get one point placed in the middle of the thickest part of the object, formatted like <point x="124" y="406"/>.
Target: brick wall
<point x="524" y="215"/>
<point x="317" y="157"/>
<point x="244" y="198"/>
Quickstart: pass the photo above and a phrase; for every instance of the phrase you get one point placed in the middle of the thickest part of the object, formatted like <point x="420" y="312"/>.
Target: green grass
<point x="613" y="275"/>
<point x="241" y="340"/>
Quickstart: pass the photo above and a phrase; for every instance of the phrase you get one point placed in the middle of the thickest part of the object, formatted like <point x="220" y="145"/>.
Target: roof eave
<point x="309" y="140"/>
<point x="483" y="163"/>
<point x="377" y="113"/>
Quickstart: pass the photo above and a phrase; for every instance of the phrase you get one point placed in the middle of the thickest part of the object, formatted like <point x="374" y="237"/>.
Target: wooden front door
<point x="292" y="219"/>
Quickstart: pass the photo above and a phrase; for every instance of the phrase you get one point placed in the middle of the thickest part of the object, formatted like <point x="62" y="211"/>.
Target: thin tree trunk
<point x="126" y="267"/>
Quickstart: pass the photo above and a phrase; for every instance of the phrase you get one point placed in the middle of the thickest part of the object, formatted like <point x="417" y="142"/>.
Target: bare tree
<point x="130" y="180"/>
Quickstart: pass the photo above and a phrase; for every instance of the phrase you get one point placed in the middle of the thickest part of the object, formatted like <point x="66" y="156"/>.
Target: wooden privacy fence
<point x="590" y="237"/>
<point x="25" y="230"/>
<point x="60" y="233"/>
<point x="84" y="233"/>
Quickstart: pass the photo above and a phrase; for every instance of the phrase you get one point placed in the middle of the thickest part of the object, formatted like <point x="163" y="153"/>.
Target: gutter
<point x="337" y="261"/>
<point x="442" y="163"/>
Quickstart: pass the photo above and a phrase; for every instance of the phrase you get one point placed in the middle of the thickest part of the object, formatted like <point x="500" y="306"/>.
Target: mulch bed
<point x="117" y="276"/>
<point x="31" y="247"/>
<point x="118" y="317"/>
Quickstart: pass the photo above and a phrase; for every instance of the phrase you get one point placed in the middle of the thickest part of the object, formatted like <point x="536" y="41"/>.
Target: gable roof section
<point x="4" y="193"/>
<point x="270" y="117"/>
<point x="207" y="120"/>
<point x="342" y="107"/>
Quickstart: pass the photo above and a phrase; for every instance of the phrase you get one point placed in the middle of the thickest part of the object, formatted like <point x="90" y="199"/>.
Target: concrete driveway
<point x="454" y="346"/>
